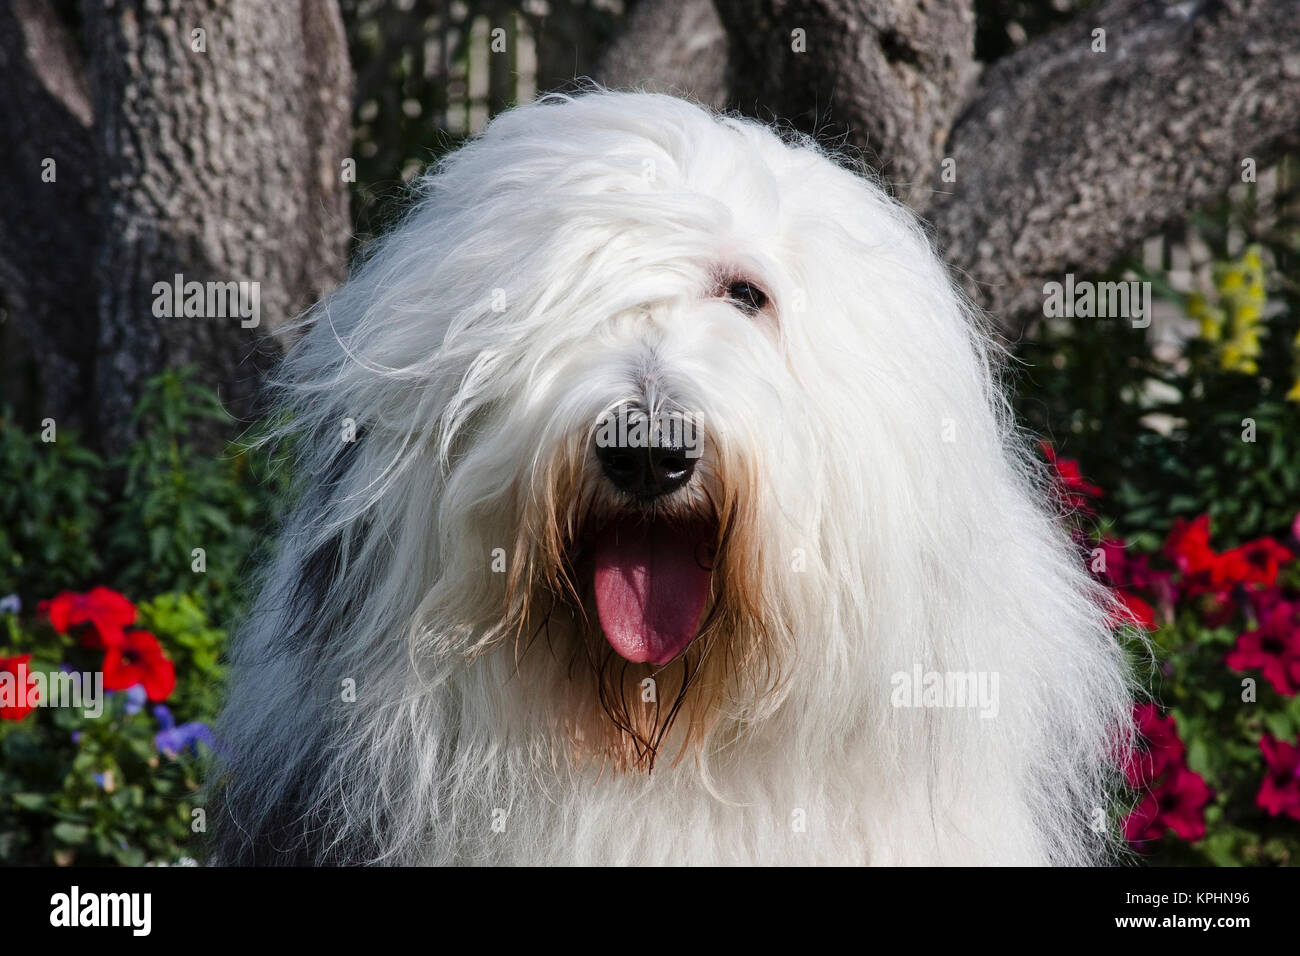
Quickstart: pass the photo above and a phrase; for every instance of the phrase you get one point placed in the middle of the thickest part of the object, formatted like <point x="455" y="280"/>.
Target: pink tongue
<point x="651" y="585"/>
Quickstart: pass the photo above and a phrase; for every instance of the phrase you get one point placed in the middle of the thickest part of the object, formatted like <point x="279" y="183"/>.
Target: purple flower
<point x="10" y="604"/>
<point x="174" y="741"/>
<point x="135" y="698"/>
<point x="165" y="719"/>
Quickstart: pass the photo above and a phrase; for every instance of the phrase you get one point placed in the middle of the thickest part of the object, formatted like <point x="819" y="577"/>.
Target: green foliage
<point x="51" y="496"/>
<point x="56" y="533"/>
<point x="1222" y="732"/>
<point x="84" y="789"/>
<point x="176" y="499"/>
<point x="96" y="790"/>
<point x="1165" y="437"/>
<point x="194" y="645"/>
<point x="1207" y="426"/>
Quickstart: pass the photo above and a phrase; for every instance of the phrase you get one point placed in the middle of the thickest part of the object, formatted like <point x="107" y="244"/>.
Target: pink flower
<point x="1159" y="748"/>
<point x="1280" y="793"/>
<point x="1177" y="806"/>
<point x="1123" y="569"/>
<point x="1273" y="647"/>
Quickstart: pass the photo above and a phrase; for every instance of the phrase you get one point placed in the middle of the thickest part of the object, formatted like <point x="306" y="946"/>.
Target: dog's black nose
<point x="646" y="472"/>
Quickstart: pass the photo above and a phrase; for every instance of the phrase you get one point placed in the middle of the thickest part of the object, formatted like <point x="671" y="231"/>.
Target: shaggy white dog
<point x="660" y="505"/>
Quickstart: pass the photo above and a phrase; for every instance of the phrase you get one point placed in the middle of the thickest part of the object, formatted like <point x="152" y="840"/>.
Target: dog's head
<point x="648" y="399"/>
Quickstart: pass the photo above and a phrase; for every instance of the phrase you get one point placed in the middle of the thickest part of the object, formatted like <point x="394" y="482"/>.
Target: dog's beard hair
<point x="732" y="660"/>
<point x="477" y="691"/>
<point x="733" y="663"/>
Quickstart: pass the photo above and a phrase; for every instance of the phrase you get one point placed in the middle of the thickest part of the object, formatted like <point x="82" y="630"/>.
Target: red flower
<point x="137" y="659"/>
<point x="1258" y="562"/>
<point x="1280" y="793"/>
<point x="1178" y="804"/>
<point x="21" y="700"/>
<point x="1075" y="491"/>
<point x="1188" y="546"/>
<point x="1273" y="647"/>
<point x="108" y="613"/>
<point x="1133" y="610"/>
<point x="1208" y="572"/>
<point x="1159" y="750"/>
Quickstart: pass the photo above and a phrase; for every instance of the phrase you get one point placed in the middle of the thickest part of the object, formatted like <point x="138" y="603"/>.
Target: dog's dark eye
<point x="746" y="296"/>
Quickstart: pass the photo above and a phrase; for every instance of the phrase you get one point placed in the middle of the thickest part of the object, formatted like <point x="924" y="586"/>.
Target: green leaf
<point x="1278" y="725"/>
<point x="74" y="833"/>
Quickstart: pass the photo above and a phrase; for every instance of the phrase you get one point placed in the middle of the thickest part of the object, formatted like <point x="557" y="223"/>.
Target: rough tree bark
<point x="1064" y="158"/>
<point x="891" y="74"/>
<point x="670" y="46"/>
<point x="47" y="229"/>
<point x="221" y="165"/>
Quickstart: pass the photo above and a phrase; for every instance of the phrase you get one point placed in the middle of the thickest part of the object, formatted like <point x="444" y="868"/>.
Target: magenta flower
<point x="1273" y="647"/>
<point x="1280" y="793"/>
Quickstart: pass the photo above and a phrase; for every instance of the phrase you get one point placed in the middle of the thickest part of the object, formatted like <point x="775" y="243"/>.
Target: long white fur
<point x="554" y="266"/>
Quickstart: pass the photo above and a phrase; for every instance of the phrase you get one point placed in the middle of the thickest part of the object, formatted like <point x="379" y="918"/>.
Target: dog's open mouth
<point x="652" y="583"/>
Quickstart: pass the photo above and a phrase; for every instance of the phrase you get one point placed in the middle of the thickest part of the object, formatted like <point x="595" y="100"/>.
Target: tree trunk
<point x="670" y="46"/>
<point x="1066" y="159"/>
<point x="48" y="228"/>
<point x="889" y="74"/>
<point x="219" y="165"/>
<point x="202" y="139"/>
<point x="1062" y="158"/>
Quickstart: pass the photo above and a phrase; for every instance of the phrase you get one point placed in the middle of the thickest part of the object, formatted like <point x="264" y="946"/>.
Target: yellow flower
<point x="1247" y="314"/>
<point x="1294" y="394"/>
<point x="1236" y="322"/>
<point x="1234" y="358"/>
<point x="1248" y="341"/>
<point x="1231" y="281"/>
